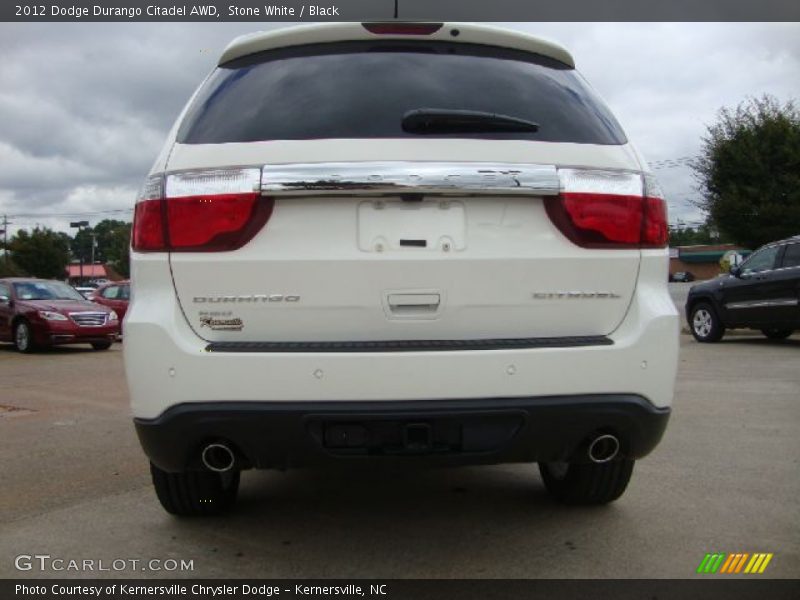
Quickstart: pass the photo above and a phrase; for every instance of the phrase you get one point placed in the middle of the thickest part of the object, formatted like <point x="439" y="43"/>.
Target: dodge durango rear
<point x="420" y="244"/>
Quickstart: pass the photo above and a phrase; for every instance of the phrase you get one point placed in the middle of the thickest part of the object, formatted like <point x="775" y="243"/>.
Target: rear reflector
<point x="608" y="209"/>
<point x="201" y="211"/>
<point x="403" y="28"/>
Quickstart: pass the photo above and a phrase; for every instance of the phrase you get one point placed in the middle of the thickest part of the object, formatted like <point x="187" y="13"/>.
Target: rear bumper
<point x="168" y="365"/>
<point x="433" y="432"/>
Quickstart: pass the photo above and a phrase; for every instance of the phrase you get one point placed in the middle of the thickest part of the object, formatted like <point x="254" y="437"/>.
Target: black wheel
<point x="777" y="334"/>
<point x="101" y="345"/>
<point x="23" y="337"/>
<point x="587" y="483"/>
<point x="705" y="324"/>
<point x="195" y="493"/>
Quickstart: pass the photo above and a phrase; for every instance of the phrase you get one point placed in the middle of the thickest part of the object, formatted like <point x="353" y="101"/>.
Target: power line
<point x="672" y="163"/>
<point x="70" y="214"/>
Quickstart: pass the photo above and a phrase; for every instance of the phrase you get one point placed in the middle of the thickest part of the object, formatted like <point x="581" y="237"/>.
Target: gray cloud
<point x="666" y="81"/>
<point x="84" y="107"/>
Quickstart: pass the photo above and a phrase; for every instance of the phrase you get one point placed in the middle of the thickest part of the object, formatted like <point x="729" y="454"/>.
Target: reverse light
<point x="200" y="211"/>
<point x="49" y="315"/>
<point x="609" y="209"/>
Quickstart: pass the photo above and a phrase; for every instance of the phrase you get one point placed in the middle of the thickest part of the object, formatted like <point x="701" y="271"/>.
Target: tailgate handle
<point x="413" y="303"/>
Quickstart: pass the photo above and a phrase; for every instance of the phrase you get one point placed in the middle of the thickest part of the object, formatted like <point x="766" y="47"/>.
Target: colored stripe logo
<point x="737" y="562"/>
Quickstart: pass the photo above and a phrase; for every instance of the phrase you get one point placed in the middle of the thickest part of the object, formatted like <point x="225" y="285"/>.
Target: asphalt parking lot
<point x="679" y="291"/>
<point x="724" y="479"/>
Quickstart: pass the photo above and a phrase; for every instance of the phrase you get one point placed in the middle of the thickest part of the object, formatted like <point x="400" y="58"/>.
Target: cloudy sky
<point x="85" y="107"/>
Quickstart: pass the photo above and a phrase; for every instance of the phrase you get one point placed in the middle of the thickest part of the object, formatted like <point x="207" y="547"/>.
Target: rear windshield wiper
<point x="445" y="120"/>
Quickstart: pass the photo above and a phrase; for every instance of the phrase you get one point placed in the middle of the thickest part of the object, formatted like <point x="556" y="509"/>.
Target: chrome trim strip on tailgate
<point x="412" y="345"/>
<point x="410" y="177"/>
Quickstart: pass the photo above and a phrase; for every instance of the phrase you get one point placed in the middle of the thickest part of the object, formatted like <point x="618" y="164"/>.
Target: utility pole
<point x="94" y="245"/>
<point x="4" y="231"/>
<point x="77" y="225"/>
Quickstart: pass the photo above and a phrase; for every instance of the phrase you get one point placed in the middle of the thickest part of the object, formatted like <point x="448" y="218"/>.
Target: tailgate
<point x="405" y="251"/>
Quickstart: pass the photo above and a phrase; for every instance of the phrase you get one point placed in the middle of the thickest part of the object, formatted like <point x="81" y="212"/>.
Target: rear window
<point x="363" y="89"/>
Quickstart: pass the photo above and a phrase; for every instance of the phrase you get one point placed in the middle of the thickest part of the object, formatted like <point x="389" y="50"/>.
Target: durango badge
<point x="255" y="298"/>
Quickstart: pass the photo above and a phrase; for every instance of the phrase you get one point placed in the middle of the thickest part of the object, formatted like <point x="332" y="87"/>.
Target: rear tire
<point x="101" y="345"/>
<point x="195" y="493"/>
<point x="706" y="326"/>
<point x="777" y="334"/>
<point x="23" y="338"/>
<point x="587" y="483"/>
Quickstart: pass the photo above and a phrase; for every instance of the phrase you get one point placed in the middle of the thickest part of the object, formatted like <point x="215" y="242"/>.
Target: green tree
<point x="40" y="253"/>
<point x="8" y="268"/>
<point x="112" y="244"/>
<point x="680" y="235"/>
<point x="81" y="247"/>
<point x="114" y="237"/>
<point x="749" y="171"/>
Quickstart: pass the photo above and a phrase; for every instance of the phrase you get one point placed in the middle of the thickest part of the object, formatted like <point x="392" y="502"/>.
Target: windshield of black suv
<point x="364" y="90"/>
<point x="45" y="290"/>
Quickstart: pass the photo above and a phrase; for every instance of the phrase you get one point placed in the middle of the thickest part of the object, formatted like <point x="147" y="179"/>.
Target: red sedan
<point x="115" y="296"/>
<point x="38" y="313"/>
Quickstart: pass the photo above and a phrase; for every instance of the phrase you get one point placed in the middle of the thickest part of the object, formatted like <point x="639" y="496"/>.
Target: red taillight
<point x="148" y="226"/>
<point x="598" y="209"/>
<point x="655" y="233"/>
<point x="403" y="28"/>
<point x="201" y="212"/>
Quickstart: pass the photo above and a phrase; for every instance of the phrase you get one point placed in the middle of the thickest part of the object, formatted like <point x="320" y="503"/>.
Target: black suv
<point x="763" y="293"/>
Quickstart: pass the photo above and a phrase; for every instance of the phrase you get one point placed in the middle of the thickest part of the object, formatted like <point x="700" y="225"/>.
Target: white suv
<point x="411" y="243"/>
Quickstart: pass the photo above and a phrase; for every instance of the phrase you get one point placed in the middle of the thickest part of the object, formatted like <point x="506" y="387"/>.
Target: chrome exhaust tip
<point x="603" y="448"/>
<point x="218" y="458"/>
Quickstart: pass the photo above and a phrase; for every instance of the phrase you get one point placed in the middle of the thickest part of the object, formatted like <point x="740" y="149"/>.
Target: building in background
<point x="90" y="273"/>
<point x="702" y="261"/>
